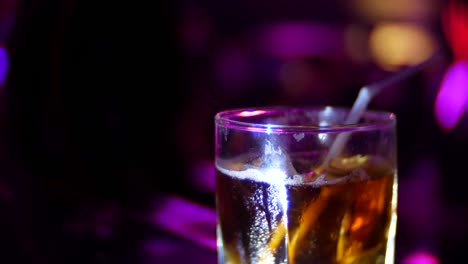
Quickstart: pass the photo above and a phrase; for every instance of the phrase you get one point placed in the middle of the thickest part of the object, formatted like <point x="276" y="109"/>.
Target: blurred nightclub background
<point x="106" y="110"/>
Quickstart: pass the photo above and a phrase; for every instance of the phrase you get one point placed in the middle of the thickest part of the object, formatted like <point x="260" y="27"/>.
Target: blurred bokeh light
<point x="395" y="45"/>
<point x="452" y="99"/>
<point x="420" y="257"/>
<point x="3" y="65"/>
<point x="455" y="24"/>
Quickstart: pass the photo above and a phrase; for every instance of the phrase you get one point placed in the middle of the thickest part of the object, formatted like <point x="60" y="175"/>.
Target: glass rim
<point x="380" y="119"/>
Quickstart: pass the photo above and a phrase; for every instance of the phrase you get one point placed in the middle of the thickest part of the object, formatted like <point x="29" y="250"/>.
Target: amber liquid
<point x="340" y="214"/>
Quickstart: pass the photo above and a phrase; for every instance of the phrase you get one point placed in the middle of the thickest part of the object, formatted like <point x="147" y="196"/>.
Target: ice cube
<point x="274" y="157"/>
<point x="339" y="170"/>
<point x="343" y="166"/>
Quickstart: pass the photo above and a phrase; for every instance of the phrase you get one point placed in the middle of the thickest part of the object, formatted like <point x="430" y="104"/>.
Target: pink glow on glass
<point x="251" y="113"/>
<point x="3" y="64"/>
<point x="187" y="219"/>
<point x="295" y="40"/>
<point x="420" y="257"/>
<point x="453" y="95"/>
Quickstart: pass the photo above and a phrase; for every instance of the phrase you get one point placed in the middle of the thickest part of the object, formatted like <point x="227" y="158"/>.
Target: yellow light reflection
<point x="400" y="44"/>
<point x="358" y="223"/>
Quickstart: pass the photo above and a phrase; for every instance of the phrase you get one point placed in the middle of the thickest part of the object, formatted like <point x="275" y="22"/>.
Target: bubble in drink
<point x="338" y="214"/>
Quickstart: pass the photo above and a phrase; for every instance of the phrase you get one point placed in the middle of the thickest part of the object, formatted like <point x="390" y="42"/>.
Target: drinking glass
<point x="283" y="197"/>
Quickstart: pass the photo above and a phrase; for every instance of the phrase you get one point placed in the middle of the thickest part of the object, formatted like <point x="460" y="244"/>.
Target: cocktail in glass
<point x="283" y="197"/>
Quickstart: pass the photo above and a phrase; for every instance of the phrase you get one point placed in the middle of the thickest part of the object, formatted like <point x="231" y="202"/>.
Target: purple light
<point x="452" y="96"/>
<point x="188" y="220"/>
<point x="160" y="247"/>
<point x="169" y="250"/>
<point x="295" y="40"/>
<point x="420" y="257"/>
<point x="3" y="64"/>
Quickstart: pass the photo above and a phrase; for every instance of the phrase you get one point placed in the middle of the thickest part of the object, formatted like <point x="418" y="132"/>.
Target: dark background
<point x="108" y="108"/>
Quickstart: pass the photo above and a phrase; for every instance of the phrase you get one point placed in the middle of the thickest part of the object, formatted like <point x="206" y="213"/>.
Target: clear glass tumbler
<point x="283" y="197"/>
